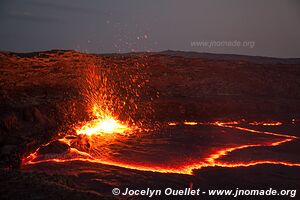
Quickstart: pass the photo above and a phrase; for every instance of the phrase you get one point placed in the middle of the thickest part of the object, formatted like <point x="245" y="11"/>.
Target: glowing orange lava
<point x="173" y="123"/>
<point x="212" y="160"/>
<point x="111" y="105"/>
<point x="190" y="123"/>
<point x="255" y="131"/>
<point x="107" y="125"/>
<point x="266" y="123"/>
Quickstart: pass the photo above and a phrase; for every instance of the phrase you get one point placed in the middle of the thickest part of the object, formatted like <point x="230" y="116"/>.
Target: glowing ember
<point x="190" y="123"/>
<point x="102" y="126"/>
<point x="266" y="123"/>
<point x="173" y="123"/>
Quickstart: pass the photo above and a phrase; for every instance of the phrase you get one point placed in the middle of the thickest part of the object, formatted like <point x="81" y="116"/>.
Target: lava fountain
<point x="111" y="95"/>
<point x="107" y="125"/>
<point x="103" y="125"/>
<point x="103" y="104"/>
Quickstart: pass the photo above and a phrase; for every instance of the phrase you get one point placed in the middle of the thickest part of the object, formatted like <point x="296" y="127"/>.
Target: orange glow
<point x="110" y="94"/>
<point x="266" y="123"/>
<point x="172" y="123"/>
<point x="256" y="131"/>
<point x="110" y="117"/>
<point x="108" y="125"/>
<point x="190" y="123"/>
<point x="193" y="123"/>
<point x="213" y="157"/>
<point x="220" y="123"/>
<point x="212" y="160"/>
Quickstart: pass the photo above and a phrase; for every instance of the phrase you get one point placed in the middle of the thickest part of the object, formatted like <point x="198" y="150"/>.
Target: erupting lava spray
<point x="112" y="96"/>
<point x="104" y="104"/>
<point x="117" y="102"/>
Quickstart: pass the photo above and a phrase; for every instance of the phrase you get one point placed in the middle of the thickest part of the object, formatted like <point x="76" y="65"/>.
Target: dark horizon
<point x="191" y="54"/>
<point x="105" y="27"/>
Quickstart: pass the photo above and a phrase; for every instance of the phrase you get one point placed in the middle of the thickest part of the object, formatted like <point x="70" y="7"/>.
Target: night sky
<point x="99" y="26"/>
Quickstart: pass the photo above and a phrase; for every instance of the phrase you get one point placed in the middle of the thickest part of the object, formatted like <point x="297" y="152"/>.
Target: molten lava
<point x="111" y="103"/>
<point x="212" y="160"/>
<point x="108" y="97"/>
<point x="108" y="125"/>
<point x="266" y="123"/>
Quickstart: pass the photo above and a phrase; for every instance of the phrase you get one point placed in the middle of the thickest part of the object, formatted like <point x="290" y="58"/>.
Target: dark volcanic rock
<point x="55" y="147"/>
<point x="29" y="186"/>
<point x="8" y="149"/>
<point x="10" y="157"/>
<point x="9" y="122"/>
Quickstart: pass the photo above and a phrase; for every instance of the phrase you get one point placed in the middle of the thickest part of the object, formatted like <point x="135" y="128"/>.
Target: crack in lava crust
<point x="213" y="160"/>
